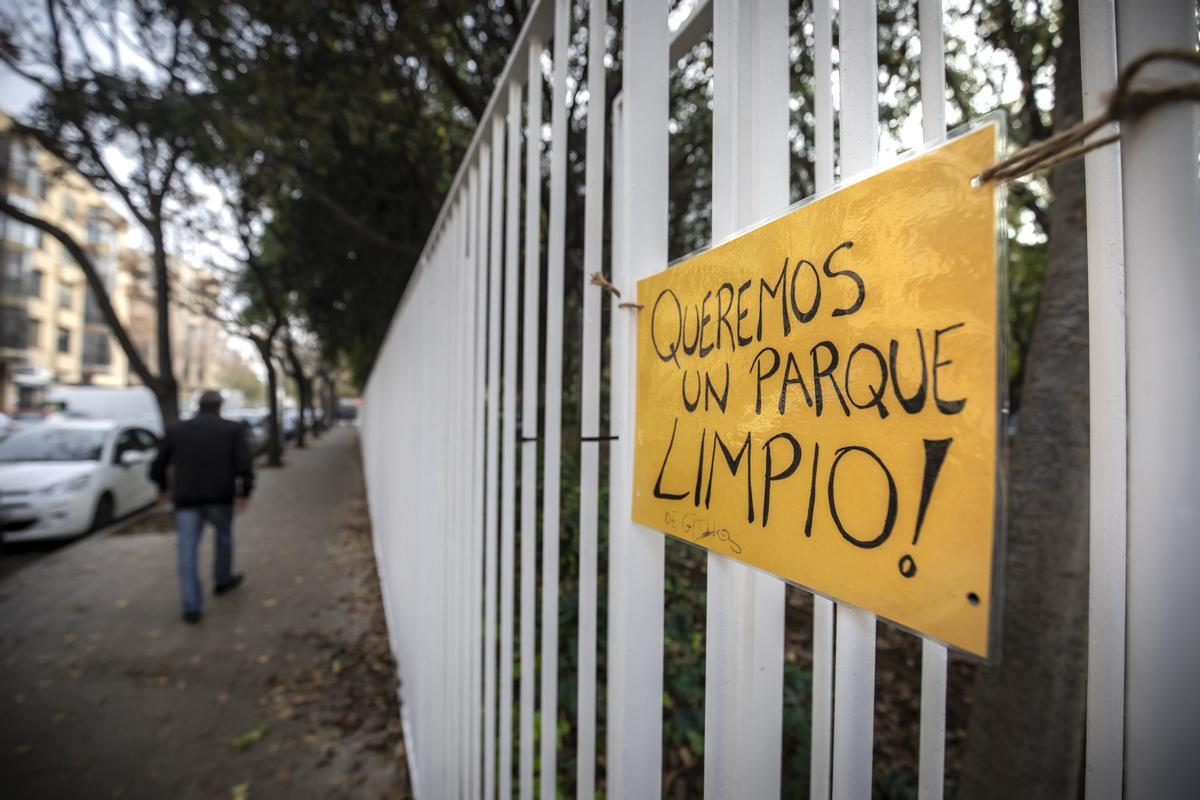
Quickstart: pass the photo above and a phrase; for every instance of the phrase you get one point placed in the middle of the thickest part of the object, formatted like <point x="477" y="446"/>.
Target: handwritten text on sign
<point x="818" y="397"/>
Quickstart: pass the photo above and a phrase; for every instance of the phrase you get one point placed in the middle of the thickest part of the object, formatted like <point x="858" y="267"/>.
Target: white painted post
<point x="479" y="174"/>
<point x="932" y="768"/>
<point x="743" y="722"/>
<point x="618" y="473"/>
<point x="492" y="488"/>
<point x="822" y="671"/>
<point x="635" y="626"/>
<point x="1105" y="757"/>
<point x="451" y="517"/>
<point x="854" y="686"/>
<point x="508" y="437"/>
<point x="492" y="446"/>
<point x="529" y="411"/>
<point x="589" y="422"/>
<point x="551" y="477"/>
<point x="466" y="416"/>
<point x="1162" y="251"/>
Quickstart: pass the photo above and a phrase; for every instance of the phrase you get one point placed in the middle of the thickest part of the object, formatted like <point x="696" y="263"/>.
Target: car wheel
<point x="103" y="514"/>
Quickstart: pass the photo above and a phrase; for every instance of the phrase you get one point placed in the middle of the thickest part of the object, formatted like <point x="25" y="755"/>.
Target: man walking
<point x="212" y="467"/>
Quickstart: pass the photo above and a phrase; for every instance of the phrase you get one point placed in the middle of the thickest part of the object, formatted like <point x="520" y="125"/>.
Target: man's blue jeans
<point x="189" y="523"/>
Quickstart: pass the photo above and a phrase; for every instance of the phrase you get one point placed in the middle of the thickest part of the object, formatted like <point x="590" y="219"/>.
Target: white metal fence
<point x="443" y="437"/>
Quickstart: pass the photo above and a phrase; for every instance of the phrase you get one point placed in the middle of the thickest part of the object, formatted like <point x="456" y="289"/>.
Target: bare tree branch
<point x="95" y="283"/>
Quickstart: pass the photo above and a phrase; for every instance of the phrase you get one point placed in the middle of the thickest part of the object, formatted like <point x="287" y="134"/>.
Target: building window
<point x="33" y="334"/>
<point x="66" y="295"/>
<point x="33" y="283"/>
<point x="69" y="206"/>
<point x="13" y="323"/>
<point x="91" y="310"/>
<point x="64" y="340"/>
<point x="96" y="350"/>
<point x="13" y="271"/>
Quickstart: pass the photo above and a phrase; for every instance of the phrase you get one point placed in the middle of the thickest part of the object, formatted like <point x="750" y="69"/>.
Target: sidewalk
<point x="284" y="690"/>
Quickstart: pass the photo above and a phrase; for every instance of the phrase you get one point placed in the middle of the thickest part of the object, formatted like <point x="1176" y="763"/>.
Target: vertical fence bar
<point x="1162" y="243"/>
<point x="492" y="492"/>
<point x="529" y="412"/>
<point x="439" y="421"/>
<point x="508" y="438"/>
<point x="478" y="457"/>
<point x="437" y="586"/>
<point x="932" y="768"/>
<point x="466" y="390"/>
<point x="854" y="686"/>
<point x="551" y="477"/>
<point x="635" y="628"/>
<point x="451" y="520"/>
<point x="589" y="399"/>
<point x="1105" y="756"/>
<point x="449" y="342"/>
<point x="466" y="365"/>
<point x="618" y="365"/>
<point x="822" y="671"/>
<point x="743" y="722"/>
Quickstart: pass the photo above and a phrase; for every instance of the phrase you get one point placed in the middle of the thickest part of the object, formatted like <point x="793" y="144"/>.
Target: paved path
<point x="105" y="693"/>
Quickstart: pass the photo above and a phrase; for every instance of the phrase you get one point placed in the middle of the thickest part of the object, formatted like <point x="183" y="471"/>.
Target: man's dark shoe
<point x="192" y="617"/>
<point x="229" y="585"/>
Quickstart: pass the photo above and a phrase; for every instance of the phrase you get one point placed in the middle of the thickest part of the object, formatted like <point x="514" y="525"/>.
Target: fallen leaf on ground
<point x="248" y="738"/>
<point x="270" y="602"/>
<point x="122" y="603"/>
<point x="241" y="791"/>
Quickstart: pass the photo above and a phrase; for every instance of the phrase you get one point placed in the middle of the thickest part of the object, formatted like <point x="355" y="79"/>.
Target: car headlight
<point x="69" y="485"/>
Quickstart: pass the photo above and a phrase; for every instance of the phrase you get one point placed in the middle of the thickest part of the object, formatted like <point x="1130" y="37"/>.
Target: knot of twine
<point x="598" y="279"/>
<point x="1126" y="102"/>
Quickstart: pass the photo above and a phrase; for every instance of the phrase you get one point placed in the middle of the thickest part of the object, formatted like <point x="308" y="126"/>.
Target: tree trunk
<point x="329" y="398"/>
<point x="274" y="442"/>
<point x="303" y="388"/>
<point x="1027" y="726"/>
<point x="94" y="282"/>
<point x="167" y="390"/>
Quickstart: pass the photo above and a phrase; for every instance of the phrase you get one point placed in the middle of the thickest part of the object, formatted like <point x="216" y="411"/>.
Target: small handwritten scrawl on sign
<point x="818" y="397"/>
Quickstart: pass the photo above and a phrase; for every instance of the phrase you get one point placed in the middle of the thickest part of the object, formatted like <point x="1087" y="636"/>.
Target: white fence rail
<point x="453" y="464"/>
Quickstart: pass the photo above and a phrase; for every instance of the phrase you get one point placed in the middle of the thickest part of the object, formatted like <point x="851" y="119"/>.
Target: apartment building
<point x="51" y="330"/>
<point x="198" y="342"/>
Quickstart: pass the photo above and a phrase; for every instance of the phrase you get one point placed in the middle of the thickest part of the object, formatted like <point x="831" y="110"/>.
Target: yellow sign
<point x="818" y="397"/>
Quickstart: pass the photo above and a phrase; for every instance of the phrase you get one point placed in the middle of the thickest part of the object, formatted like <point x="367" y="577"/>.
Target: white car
<point x="65" y="478"/>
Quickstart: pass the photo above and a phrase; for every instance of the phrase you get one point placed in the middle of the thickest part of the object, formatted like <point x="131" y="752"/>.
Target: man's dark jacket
<point x="211" y="458"/>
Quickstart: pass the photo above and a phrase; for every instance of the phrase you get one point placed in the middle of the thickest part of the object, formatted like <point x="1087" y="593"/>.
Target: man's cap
<point x="210" y="400"/>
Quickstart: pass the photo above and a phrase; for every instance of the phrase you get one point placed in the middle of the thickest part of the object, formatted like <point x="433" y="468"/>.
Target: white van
<point x="132" y="405"/>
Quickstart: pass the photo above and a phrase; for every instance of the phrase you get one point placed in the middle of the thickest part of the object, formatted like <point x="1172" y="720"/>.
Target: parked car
<point x="289" y="422"/>
<point x="67" y="477"/>
<point x="255" y="421"/>
<point x="132" y="405"/>
<point x="26" y="417"/>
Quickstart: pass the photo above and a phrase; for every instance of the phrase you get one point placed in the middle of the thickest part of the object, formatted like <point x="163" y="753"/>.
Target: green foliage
<point x="797" y="729"/>
<point x="347" y="120"/>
